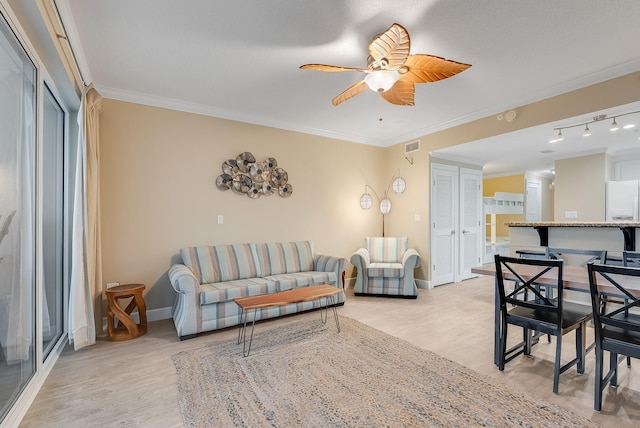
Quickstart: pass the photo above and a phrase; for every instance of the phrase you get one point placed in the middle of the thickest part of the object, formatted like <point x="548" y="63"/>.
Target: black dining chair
<point x="617" y="327"/>
<point x="543" y="314"/>
<point x="588" y="255"/>
<point x="630" y="259"/>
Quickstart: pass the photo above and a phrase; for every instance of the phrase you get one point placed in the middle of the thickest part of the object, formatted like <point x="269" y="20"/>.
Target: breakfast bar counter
<point x="614" y="237"/>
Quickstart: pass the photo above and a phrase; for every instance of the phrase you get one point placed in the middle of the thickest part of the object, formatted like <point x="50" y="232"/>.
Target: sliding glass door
<point x="53" y="137"/>
<point x="18" y="77"/>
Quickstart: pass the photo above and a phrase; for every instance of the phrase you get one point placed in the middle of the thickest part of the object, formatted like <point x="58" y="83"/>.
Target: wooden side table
<point x="126" y="328"/>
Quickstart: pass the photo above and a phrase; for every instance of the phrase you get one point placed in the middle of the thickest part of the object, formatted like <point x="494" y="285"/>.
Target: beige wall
<point x="158" y="170"/>
<point x="611" y="93"/>
<point x="158" y="192"/>
<point x="580" y="186"/>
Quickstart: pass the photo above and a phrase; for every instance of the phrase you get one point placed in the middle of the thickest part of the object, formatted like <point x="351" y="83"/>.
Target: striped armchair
<point x="385" y="268"/>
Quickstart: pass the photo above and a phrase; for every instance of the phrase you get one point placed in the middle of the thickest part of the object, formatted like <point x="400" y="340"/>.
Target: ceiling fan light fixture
<point x="381" y="80"/>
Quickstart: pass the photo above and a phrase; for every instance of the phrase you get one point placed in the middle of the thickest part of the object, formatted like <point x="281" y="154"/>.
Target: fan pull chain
<point x="380" y="108"/>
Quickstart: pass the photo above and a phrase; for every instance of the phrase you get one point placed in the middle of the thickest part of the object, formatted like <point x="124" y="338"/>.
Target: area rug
<point x="308" y="375"/>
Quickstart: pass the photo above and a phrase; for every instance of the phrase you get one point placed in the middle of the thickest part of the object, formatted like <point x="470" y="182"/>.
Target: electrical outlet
<point x="571" y="214"/>
<point x="112" y="284"/>
<point x="416" y="217"/>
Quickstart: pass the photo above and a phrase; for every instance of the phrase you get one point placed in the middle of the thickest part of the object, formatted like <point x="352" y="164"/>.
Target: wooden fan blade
<point x="329" y="68"/>
<point x="428" y="68"/>
<point x="350" y="92"/>
<point x="391" y="48"/>
<point x="400" y="94"/>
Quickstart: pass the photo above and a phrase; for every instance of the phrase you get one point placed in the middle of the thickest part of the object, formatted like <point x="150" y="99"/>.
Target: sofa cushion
<point x="289" y="281"/>
<point x="228" y="290"/>
<point x="386" y="250"/>
<point x="385" y="270"/>
<point x="285" y="257"/>
<point x="222" y="262"/>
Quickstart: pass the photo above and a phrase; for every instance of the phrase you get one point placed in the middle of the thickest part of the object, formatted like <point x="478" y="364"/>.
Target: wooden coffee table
<point x="283" y="298"/>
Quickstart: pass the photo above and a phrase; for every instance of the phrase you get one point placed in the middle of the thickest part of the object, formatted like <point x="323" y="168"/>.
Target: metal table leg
<point x="242" y="331"/>
<point x="326" y="312"/>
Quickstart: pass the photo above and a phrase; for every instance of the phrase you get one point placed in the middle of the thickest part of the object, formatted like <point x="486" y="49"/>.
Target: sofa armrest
<point x="326" y="263"/>
<point x="182" y="279"/>
<point x="360" y="259"/>
<point x="411" y="259"/>
<point x="186" y="310"/>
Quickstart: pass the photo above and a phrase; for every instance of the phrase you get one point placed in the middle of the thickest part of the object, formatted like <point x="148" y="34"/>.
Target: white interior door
<point x="471" y="231"/>
<point x="444" y="191"/>
<point x="533" y="201"/>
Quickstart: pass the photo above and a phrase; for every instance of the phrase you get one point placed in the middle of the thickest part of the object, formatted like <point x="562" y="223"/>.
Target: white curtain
<point x="85" y="294"/>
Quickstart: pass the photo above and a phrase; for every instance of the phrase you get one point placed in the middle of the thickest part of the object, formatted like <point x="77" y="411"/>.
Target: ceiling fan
<point x="392" y="71"/>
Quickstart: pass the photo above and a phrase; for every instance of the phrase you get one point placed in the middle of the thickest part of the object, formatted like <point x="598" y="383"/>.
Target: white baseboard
<point x="159" y="314"/>
<point x="423" y="283"/>
<point x="152" y="315"/>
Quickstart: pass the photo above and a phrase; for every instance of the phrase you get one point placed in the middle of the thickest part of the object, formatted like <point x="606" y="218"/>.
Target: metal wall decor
<point x="245" y="176"/>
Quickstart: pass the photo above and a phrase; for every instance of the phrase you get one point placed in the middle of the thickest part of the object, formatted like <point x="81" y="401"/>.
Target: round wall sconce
<point x="399" y="185"/>
<point x="365" y="201"/>
<point x="385" y="206"/>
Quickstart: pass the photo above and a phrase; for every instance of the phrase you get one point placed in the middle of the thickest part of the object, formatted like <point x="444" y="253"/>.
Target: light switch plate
<point x="220" y="219"/>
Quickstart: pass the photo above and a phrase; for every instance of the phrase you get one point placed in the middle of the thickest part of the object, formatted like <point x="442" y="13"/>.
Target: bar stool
<point x="126" y="328"/>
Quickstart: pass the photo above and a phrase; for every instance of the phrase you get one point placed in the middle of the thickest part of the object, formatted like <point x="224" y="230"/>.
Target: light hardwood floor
<point x="133" y="383"/>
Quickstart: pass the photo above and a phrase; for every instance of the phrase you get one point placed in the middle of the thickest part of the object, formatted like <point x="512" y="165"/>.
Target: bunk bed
<point x="500" y="203"/>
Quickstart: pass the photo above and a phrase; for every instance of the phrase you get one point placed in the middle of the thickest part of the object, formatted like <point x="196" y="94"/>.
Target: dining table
<point x="574" y="278"/>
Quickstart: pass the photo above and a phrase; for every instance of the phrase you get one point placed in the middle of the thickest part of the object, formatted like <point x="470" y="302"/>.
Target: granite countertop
<point x="573" y="224"/>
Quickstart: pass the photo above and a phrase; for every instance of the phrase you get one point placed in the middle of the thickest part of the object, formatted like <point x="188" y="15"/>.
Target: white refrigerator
<point x="622" y="200"/>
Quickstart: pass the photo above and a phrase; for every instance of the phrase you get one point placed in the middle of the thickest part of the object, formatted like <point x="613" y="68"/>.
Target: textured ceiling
<point x="239" y="59"/>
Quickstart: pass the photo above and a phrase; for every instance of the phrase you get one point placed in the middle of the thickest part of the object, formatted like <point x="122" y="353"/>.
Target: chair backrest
<point x="386" y="249"/>
<point x="623" y="282"/>
<point x="588" y="256"/>
<point x="630" y="259"/>
<point x="527" y="274"/>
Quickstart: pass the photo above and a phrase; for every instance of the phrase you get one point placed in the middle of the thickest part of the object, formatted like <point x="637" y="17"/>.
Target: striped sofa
<point x="385" y="268"/>
<point x="210" y="277"/>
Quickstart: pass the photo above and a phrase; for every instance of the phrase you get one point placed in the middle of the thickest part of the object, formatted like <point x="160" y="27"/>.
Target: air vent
<point x="411" y="147"/>
<point x="546" y="152"/>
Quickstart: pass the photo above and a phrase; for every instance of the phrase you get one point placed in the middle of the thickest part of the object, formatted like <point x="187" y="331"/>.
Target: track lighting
<point x="558" y="138"/>
<point x="587" y="131"/>
<point x="614" y="125"/>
